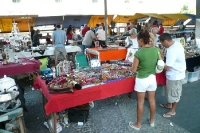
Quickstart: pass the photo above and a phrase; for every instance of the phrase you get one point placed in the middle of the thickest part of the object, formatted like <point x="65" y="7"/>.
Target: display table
<point x="105" y="54"/>
<point x="26" y="66"/>
<point x="48" y="52"/>
<point x="59" y="102"/>
<point x="69" y="49"/>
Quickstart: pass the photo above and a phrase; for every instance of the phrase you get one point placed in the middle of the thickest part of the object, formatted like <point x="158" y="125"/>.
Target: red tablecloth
<point x="14" y="69"/>
<point x="59" y="102"/>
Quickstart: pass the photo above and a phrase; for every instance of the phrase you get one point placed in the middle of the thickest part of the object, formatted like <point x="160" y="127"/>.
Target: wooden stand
<point x="15" y="114"/>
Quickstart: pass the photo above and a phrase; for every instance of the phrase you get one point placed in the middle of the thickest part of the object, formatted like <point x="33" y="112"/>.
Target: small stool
<point x="15" y="114"/>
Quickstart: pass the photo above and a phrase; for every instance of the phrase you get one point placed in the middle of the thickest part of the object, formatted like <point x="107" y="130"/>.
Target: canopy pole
<point x="28" y="24"/>
<point x="106" y="21"/>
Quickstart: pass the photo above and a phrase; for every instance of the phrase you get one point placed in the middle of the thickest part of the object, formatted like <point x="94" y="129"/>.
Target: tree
<point x="185" y="9"/>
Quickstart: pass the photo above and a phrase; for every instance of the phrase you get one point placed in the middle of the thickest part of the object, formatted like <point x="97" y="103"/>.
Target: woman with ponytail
<point x="144" y="64"/>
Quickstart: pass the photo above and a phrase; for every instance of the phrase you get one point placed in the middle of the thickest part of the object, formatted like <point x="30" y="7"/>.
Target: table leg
<point x="130" y="94"/>
<point x="21" y="125"/>
<point x="54" y="121"/>
<point x="44" y="100"/>
<point x="44" y="103"/>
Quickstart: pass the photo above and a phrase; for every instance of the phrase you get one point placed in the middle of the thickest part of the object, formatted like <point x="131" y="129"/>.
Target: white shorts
<point x="146" y="84"/>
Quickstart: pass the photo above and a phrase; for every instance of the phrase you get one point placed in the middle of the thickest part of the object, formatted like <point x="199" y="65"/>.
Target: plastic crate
<point x="197" y="69"/>
<point x="185" y="80"/>
<point x="193" y="76"/>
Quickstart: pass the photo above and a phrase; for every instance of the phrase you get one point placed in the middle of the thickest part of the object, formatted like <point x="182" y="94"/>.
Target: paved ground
<point x="113" y="114"/>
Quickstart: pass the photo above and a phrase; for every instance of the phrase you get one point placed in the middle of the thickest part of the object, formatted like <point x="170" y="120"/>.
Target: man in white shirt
<point x="175" y="72"/>
<point x="101" y="36"/>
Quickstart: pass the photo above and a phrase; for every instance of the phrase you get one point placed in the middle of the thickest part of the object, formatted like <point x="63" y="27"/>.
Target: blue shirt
<point x="96" y="30"/>
<point x="59" y="38"/>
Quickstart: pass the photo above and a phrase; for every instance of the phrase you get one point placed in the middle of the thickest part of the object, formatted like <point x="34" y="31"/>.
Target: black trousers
<point x="102" y="43"/>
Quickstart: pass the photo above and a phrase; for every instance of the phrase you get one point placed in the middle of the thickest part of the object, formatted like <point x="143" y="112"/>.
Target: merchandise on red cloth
<point x="58" y="80"/>
<point x="63" y="68"/>
<point x="59" y="102"/>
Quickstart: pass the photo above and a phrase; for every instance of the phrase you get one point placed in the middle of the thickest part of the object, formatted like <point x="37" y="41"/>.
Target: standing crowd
<point x="152" y="46"/>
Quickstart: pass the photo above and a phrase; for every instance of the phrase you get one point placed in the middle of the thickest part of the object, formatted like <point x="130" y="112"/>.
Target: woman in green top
<point x="144" y="63"/>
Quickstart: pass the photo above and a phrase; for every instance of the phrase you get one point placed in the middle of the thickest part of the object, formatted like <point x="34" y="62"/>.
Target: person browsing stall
<point x="87" y="40"/>
<point x="36" y="39"/>
<point x="144" y="64"/>
<point x="175" y="71"/>
<point x="58" y="40"/>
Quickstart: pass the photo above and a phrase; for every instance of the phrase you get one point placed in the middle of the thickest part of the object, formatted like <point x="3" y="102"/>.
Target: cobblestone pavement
<point x="112" y="115"/>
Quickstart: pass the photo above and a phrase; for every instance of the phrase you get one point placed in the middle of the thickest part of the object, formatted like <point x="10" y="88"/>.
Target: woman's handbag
<point x="160" y="63"/>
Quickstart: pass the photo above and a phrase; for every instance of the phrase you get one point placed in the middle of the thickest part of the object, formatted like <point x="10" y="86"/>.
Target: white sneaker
<point x="91" y="104"/>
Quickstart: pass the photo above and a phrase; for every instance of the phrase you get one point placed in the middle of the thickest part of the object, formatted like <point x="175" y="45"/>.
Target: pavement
<point x="113" y="114"/>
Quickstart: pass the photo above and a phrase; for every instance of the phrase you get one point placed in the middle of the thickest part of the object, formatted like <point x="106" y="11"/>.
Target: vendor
<point x="131" y="41"/>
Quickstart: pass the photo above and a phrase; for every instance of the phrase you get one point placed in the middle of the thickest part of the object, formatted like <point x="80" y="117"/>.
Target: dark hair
<point x="69" y="29"/>
<point x="144" y="35"/>
<point x="97" y="25"/>
<point x="57" y="26"/>
<point x="165" y="36"/>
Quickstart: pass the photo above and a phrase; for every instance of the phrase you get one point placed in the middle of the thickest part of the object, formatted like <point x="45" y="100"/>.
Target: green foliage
<point x="185" y="9"/>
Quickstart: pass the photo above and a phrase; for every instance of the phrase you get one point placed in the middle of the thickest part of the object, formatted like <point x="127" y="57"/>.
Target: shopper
<point x="154" y="31"/>
<point x="58" y="40"/>
<point x="175" y="72"/>
<point x="32" y="33"/>
<point x="145" y="61"/>
<point x="36" y="39"/>
<point x="161" y="29"/>
<point x="87" y="40"/>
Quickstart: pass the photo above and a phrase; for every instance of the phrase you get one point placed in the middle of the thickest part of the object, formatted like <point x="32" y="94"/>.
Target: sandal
<point x="131" y="124"/>
<point x="152" y="124"/>
<point x="168" y="115"/>
<point x="164" y="106"/>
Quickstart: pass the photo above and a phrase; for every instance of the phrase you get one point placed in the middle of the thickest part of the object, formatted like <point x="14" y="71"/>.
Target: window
<point x="16" y="1"/>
